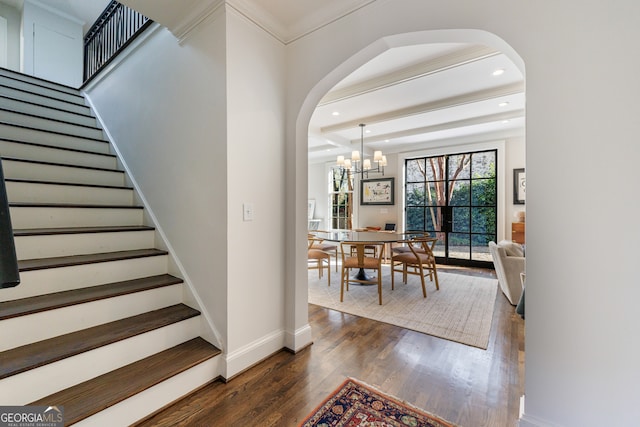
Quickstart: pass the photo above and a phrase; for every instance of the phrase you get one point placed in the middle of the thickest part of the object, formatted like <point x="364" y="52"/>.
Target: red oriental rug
<point x="357" y="404"/>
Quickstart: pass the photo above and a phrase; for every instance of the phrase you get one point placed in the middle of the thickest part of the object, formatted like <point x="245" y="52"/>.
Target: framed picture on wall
<point x="519" y="186"/>
<point x="378" y="191"/>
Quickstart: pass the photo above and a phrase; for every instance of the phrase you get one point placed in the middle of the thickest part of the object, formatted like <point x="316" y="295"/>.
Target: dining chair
<point x="370" y="250"/>
<point x="321" y="245"/>
<point x="403" y="247"/>
<point x="418" y="261"/>
<point x="358" y="259"/>
<point x="316" y="259"/>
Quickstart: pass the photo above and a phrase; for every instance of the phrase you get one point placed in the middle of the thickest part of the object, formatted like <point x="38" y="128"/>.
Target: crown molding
<point x="322" y="15"/>
<point x="201" y="12"/>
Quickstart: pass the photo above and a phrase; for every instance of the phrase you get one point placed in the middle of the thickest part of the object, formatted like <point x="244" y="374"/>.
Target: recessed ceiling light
<point x="503" y="104"/>
<point x="335" y="113"/>
<point x="498" y="72"/>
<point x="367" y="131"/>
<point x="386" y="140"/>
<point x="506" y="121"/>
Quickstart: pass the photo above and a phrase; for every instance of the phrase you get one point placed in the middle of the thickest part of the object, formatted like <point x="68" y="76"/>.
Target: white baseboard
<point x="300" y="339"/>
<point x="252" y="353"/>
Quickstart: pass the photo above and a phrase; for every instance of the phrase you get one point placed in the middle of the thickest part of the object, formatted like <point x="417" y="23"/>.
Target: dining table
<point x="346" y="236"/>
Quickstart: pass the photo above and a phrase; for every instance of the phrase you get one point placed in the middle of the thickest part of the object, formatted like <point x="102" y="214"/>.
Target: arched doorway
<point x="364" y="56"/>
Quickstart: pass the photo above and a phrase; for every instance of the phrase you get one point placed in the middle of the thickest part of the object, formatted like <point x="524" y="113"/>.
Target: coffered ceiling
<point x="420" y="96"/>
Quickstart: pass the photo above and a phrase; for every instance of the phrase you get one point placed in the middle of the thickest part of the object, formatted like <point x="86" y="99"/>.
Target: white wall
<point x="318" y="191"/>
<point x="581" y="342"/>
<point x="200" y="125"/>
<point x="52" y="45"/>
<point x="515" y="159"/>
<point x="165" y="109"/>
<point x="13" y="17"/>
<point x="255" y="175"/>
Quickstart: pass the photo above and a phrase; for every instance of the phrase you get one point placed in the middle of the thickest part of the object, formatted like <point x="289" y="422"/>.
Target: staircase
<point x="97" y="325"/>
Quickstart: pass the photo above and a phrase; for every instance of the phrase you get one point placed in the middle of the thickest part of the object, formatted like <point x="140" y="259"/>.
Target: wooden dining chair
<point x="403" y="246"/>
<point x="361" y="261"/>
<point x="322" y="245"/>
<point x="316" y="259"/>
<point x="418" y="261"/>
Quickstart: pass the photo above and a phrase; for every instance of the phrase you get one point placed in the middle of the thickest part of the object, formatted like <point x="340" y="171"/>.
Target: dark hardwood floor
<point x="465" y="385"/>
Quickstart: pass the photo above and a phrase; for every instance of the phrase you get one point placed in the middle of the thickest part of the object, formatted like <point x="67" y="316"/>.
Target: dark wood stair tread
<point x="68" y="184"/>
<point x="87" y="114"/>
<point x="63" y="165"/>
<point x="97" y="394"/>
<point x="37" y="304"/>
<point x="65" y="134"/>
<point x="67" y="261"/>
<point x="53" y="147"/>
<point x="69" y="205"/>
<point x="51" y="119"/>
<point x="30" y="356"/>
<point x="79" y="230"/>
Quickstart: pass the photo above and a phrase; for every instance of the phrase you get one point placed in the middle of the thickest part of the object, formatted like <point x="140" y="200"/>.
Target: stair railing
<point x="9" y="273"/>
<point x="115" y="28"/>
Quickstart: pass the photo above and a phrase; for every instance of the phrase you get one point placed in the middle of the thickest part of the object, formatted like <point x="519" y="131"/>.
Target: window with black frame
<point x="454" y="197"/>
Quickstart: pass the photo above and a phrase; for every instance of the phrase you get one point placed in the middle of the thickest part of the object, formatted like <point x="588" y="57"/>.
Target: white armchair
<point x="509" y="261"/>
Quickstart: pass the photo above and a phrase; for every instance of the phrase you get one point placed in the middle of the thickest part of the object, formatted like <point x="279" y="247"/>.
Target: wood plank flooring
<point x="465" y="385"/>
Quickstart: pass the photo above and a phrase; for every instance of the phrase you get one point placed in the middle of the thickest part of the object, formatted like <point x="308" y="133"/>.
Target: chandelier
<point x="357" y="164"/>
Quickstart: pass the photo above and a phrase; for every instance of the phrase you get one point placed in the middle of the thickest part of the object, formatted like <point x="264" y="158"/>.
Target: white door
<point x="55" y="56"/>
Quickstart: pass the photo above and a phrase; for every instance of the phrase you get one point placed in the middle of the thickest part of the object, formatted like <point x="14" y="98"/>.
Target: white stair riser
<point x="48" y="112"/>
<point x="29" y="192"/>
<point x="38" y="282"/>
<point x="56" y="155"/>
<point x="23" y="330"/>
<point x="44" y="91"/>
<point x="147" y="402"/>
<point x="52" y="139"/>
<point x="28" y="386"/>
<point x="50" y="125"/>
<point x="49" y="217"/>
<point x="56" y="245"/>
<point x="30" y="79"/>
<point x="43" y="100"/>
<point x="54" y="173"/>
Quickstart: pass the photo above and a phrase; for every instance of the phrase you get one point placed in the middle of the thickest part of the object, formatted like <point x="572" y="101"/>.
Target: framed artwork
<point x="519" y="186"/>
<point x="378" y="191"/>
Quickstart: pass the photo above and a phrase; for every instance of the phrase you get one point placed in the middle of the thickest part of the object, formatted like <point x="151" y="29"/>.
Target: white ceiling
<point x="410" y="98"/>
<point x="85" y="11"/>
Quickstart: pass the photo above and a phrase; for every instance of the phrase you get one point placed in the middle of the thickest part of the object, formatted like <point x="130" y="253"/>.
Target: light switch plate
<point x="247" y="211"/>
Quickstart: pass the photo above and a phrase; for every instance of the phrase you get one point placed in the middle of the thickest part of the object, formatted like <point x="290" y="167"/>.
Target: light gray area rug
<point x="461" y="311"/>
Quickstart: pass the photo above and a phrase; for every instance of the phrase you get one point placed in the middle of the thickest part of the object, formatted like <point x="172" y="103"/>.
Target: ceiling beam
<point x="459" y="58"/>
<point x="454" y="101"/>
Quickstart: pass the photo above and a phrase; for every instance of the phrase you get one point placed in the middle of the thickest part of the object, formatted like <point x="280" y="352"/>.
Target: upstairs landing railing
<point x="9" y="273"/>
<point x="118" y="26"/>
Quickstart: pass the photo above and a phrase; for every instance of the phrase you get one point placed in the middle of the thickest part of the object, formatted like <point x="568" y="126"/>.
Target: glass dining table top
<point x="360" y="236"/>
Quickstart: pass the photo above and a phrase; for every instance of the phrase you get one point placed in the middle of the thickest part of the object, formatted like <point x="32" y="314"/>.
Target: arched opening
<point x="420" y="93"/>
<point x="464" y="132"/>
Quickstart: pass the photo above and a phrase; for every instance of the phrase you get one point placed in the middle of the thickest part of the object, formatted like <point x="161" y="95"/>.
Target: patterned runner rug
<point x="461" y="311"/>
<point x="357" y="404"/>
